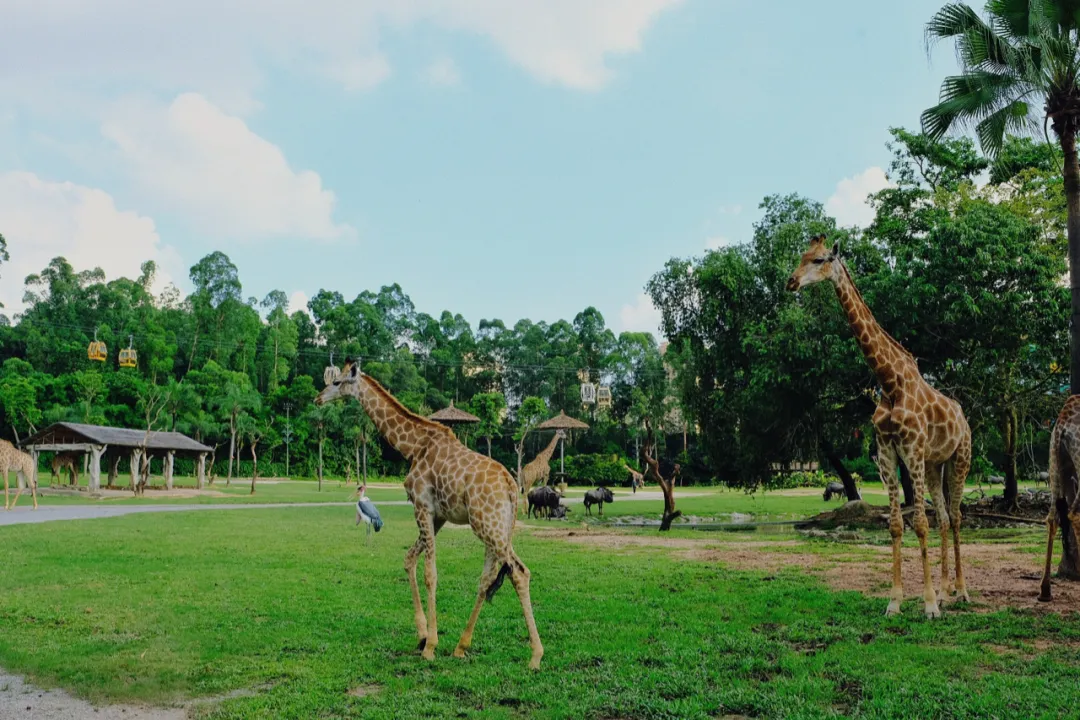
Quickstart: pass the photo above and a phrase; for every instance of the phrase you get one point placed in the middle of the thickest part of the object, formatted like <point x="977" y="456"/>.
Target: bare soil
<point x="998" y="576"/>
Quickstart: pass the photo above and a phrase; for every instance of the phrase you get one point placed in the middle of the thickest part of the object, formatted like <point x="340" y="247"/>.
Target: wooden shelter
<point x="454" y="417"/>
<point x="94" y="440"/>
<point x="561" y="423"/>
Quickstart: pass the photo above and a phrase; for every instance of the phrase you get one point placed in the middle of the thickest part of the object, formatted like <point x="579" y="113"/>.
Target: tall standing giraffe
<point x="914" y="423"/>
<point x="1061" y="477"/>
<point x="446" y="482"/>
<point x="539" y="468"/>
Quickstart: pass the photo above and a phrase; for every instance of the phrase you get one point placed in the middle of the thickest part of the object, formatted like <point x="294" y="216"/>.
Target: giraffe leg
<point x="1051" y="530"/>
<point x="887" y="471"/>
<point x="431" y="580"/>
<point x="6" y="507"/>
<point x="491" y="570"/>
<point x="914" y="452"/>
<point x="520" y="577"/>
<point x="941" y="510"/>
<point x="956" y="476"/>
<point x="418" y="608"/>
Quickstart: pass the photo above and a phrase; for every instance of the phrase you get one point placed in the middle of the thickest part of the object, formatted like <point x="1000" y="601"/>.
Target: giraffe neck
<point x="407" y="432"/>
<point x="545" y="455"/>
<point x="887" y="358"/>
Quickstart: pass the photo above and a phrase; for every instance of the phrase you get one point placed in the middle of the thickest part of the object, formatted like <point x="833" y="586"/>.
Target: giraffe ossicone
<point x="447" y="482"/>
<point x="915" y="423"/>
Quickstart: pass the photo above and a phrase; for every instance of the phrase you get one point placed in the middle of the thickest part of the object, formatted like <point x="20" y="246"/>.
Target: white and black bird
<point x="367" y="513"/>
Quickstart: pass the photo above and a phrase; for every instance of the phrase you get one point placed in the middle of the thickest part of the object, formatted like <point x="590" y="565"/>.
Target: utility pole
<point x="287" y="434"/>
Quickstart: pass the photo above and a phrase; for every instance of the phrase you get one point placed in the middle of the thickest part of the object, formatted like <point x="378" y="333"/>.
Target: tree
<point x="667" y="484"/>
<point x="238" y="398"/>
<point x="254" y="430"/>
<point x="532" y="412"/>
<point x="322" y="418"/>
<point x="4" y="257"/>
<point x="489" y="408"/>
<point x="152" y="403"/>
<point x="1024" y="51"/>
<point x="18" y="397"/>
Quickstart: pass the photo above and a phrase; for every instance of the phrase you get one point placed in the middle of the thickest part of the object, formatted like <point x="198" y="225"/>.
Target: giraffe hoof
<point x="893" y="609"/>
<point x="429" y="653"/>
<point x="459" y="652"/>
<point x="534" y="664"/>
<point x="420" y="645"/>
<point x="962" y="596"/>
<point x="932" y="611"/>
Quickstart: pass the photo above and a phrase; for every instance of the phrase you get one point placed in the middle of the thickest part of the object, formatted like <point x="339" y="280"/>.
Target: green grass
<point x="290" y="602"/>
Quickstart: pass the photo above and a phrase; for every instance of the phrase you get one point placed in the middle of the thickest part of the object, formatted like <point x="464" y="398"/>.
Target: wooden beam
<point x="85" y="447"/>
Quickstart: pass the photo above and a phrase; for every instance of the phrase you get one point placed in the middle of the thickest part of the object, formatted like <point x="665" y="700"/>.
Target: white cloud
<point x="41" y="220"/>
<point x="443" y="72"/>
<point x="849" y="205"/>
<point x="730" y="209"/>
<point x="717" y="242"/>
<point x="193" y="158"/>
<point x="298" y="302"/>
<point x="642" y="316"/>
<point x="74" y="48"/>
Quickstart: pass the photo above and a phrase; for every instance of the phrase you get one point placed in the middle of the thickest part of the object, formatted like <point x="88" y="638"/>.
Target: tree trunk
<point x="254" y="467"/>
<point x="320" y="464"/>
<point x="1071" y="175"/>
<point x="905" y="483"/>
<point x="1008" y="434"/>
<point x="114" y="468"/>
<point x="850" y="490"/>
<point x="489" y="445"/>
<point x="232" y="450"/>
<point x="365" y="459"/>
<point x="194" y="344"/>
<point x="668" y="488"/>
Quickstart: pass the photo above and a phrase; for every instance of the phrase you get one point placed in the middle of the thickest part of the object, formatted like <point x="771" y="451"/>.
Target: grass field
<point x="292" y="607"/>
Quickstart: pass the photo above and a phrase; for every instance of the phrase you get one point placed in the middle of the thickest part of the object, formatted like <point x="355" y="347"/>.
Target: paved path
<point x="47" y="513"/>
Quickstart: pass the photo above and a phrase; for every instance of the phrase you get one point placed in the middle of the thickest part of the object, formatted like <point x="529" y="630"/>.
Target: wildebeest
<point x="542" y="500"/>
<point x="995" y="480"/>
<point x="599" y="496"/>
<point x="834" y="488"/>
<point x="559" y="513"/>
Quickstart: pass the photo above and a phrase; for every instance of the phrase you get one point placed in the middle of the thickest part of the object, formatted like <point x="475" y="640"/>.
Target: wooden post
<point x="170" y="455"/>
<point x="136" y="454"/>
<point x="200" y="470"/>
<point x="95" y="467"/>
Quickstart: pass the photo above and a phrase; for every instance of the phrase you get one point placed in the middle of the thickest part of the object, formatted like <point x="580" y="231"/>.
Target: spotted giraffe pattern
<point x="447" y="482"/>
<point x="1062" y="478"/>
<point x="540" y="466"/>
<point x="914" y="422"/>
<point x="14" y="460"/>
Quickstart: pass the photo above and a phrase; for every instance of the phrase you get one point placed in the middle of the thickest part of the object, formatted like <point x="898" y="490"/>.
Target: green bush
<point x="799" y="479"/>
<point x="595" y="470"/>
<point x="864" y="467"/>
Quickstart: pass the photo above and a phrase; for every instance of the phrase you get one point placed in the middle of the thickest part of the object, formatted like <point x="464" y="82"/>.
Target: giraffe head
<point x="819" y="262"/>
<point x="347" y="385"/>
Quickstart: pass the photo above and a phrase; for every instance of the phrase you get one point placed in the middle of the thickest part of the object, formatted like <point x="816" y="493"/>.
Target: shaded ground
<point x="18" y="699"/>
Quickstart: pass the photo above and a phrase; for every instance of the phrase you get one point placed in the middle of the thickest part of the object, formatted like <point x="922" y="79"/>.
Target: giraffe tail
<point x="498" y="581"/>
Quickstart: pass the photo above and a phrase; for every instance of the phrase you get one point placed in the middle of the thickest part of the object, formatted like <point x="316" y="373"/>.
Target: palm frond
<point x="1012" y="118"/>
<point x="953" y="20"/>
<point x="970" y="98"/>
<point x="1016" y="18"/>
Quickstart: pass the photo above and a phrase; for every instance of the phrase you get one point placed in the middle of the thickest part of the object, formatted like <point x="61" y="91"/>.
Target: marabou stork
<point x="366" y="512"/>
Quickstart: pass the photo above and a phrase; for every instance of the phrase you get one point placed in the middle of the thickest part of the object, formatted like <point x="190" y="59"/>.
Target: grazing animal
<point x="447" y="482"/>
<point x="995" y="480"/>
<point x="914" y="422"/>
<point x="542" y="500"/>
<point x="559" y="513"/>
<point x="599" y="496"/>
<point x="1064" y="464"/>
<point x="14" y="460"/>
<point x="834" y="488"/>
<point x="66" y="461"/>
<point x="1042" y="477"/>
<point x="366" y="512"/>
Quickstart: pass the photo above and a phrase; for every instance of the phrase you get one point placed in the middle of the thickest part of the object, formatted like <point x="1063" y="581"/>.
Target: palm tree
<point x="1023" y="52"/>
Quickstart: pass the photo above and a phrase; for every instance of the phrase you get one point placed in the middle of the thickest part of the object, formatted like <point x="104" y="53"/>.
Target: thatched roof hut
<point x="452" y="416"/>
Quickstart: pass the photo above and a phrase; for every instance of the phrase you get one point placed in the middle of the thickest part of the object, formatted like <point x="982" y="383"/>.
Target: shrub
<point x="595" y="470"/>
<point x="799" y="479"/>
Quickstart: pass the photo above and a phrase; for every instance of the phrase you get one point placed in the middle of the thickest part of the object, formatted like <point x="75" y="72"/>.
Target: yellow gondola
<point x="128" y="357"/>
<point x="96" y="350"/>
<point x="603" y="396"/>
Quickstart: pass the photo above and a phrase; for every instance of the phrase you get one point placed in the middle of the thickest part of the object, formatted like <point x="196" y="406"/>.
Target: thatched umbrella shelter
<point x="454" y="417"/>
<point x="561" y="423"/>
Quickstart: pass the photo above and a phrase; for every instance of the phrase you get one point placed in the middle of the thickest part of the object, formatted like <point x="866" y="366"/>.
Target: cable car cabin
<point x="330" y="374"/>
<point x="588" y="393"/>
<point x="129" y="358"/>
<point x="96" y="351"/>
<point x="603" y="396"/>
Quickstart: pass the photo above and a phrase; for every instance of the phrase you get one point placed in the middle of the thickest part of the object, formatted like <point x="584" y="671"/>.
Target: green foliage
<point x="595" y="470"/>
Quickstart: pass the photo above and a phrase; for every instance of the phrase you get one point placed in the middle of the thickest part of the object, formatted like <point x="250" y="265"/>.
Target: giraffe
<point x="447" y="482"/>
<point x="636" y="479"/>
<point x="539" y="468"/>
<point x="1061" y="476"/>
<point x="67" y="461"/>
<point x="14" y="460"/>
<point x="914" y="423"/>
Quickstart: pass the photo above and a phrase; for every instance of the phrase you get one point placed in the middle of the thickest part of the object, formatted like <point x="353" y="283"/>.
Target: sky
<point x="497" y="158"/>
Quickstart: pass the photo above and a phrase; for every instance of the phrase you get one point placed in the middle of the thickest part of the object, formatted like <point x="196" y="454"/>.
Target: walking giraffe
<point x="447" y="482"/>
<point x="14" y="460"/>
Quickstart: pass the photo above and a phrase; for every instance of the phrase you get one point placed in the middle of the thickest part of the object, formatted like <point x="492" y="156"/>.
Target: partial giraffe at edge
<point x="15" y="460"/>
<point x="915" y="423"/>
<point x="1061" y="477"/>
<point x="447" y="482"/>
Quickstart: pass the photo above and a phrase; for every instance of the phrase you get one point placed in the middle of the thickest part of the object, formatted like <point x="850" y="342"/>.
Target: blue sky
<point x="497" y="163"/>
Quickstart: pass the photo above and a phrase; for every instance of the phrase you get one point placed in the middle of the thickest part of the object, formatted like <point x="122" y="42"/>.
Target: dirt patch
<point x="363" y="691"/>
<point x="998" y="576"/>
<point x="19" y="699"/>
